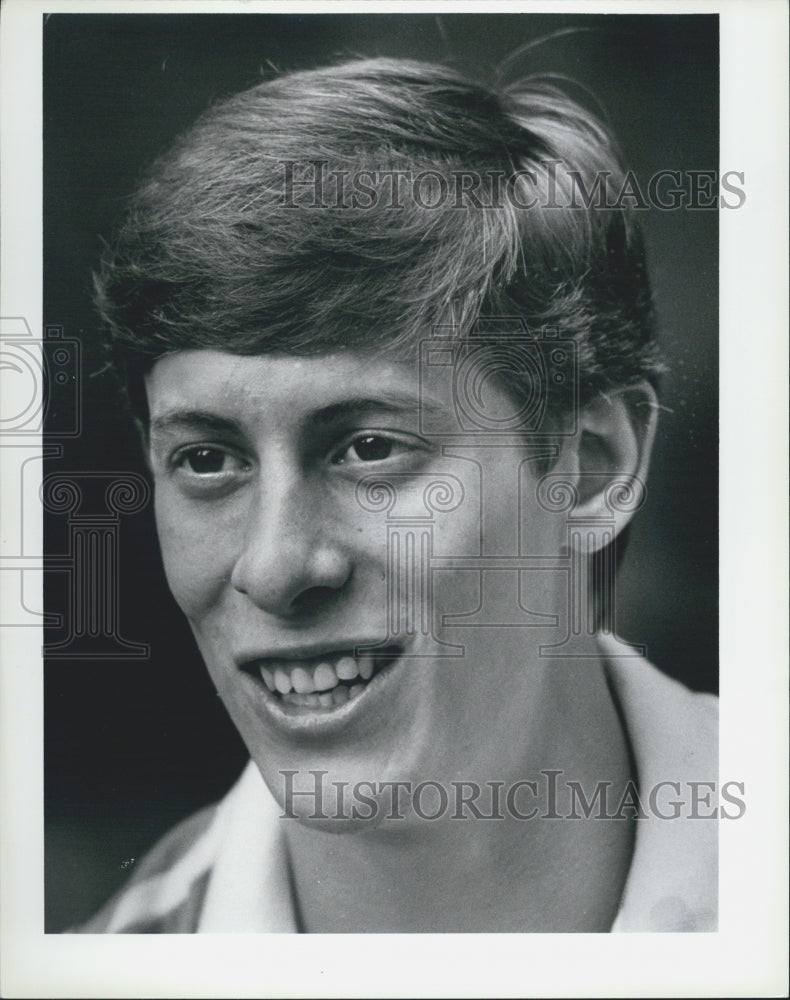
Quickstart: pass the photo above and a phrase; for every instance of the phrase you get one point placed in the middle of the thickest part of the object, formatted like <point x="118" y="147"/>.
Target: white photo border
<point x="748" y="955"/>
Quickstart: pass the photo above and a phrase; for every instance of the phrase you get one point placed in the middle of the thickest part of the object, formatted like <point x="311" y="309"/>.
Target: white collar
<point x="672" y="883"/>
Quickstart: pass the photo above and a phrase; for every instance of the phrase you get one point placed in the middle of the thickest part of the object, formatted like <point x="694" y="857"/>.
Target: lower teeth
<point x="325" y="699"/>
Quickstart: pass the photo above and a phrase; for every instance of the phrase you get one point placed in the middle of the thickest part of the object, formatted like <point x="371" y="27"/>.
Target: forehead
<point x="283" y="387"/>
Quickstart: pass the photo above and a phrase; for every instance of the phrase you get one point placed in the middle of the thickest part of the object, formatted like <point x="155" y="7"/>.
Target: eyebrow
<point x="388" y="402"/>
<point x="198" y="419"/>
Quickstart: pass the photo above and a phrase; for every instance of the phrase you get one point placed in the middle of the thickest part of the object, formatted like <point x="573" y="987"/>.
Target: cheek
<point x="196" y="555"/>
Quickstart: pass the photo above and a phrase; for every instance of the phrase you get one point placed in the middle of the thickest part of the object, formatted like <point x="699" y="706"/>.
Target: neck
<point x="545" y="873"/>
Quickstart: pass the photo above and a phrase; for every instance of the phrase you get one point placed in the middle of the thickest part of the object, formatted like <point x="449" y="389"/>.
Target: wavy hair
<point x="215" y="252"/>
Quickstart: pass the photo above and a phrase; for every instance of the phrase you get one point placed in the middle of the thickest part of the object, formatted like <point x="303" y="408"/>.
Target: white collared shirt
<point x="226" y="870"/>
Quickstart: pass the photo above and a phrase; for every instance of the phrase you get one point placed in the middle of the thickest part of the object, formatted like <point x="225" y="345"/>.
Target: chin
<point x="341" y="795"/>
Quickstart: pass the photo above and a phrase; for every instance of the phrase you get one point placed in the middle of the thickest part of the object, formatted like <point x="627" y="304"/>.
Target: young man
<point x="389" y="339"/>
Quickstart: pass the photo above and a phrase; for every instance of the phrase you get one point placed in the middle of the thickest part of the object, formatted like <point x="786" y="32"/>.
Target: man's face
<point x="287" y="557"/>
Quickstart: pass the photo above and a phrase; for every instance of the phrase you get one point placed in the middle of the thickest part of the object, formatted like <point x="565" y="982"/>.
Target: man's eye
<point x="370" y="448"/>
<point x="205" y="461"/>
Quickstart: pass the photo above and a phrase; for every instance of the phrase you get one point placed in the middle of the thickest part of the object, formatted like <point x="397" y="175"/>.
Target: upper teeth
<point x="306" y="677"/>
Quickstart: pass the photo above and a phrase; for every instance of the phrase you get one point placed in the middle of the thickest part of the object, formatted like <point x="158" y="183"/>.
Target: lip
<point x="249" y="659"/>
<point x="308" y="721"/>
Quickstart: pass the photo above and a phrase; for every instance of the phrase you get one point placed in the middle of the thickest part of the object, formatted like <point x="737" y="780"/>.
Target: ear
<point x="606" y="461"/>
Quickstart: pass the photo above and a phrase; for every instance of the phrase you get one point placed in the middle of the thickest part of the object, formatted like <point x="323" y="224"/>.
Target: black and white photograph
<point x="376" y="458"/>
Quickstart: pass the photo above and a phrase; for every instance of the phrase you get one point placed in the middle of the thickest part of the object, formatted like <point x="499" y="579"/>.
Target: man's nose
<point x="292" y="559"/>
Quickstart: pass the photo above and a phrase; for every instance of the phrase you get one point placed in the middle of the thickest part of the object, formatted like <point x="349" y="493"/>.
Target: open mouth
<point x="326" y="681"/>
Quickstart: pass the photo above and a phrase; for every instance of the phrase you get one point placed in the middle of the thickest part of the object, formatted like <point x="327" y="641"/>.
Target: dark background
<point x="134" y="745"/>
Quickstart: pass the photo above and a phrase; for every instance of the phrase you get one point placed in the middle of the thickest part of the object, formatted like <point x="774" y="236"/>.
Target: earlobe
<point x="607" y="460"/>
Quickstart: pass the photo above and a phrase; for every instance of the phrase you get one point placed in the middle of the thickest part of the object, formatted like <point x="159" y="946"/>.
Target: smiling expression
<point x="285" y="577"/>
